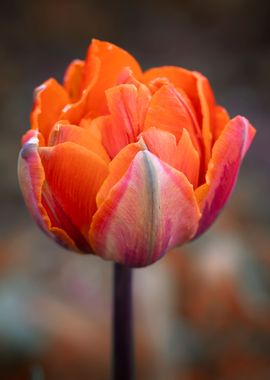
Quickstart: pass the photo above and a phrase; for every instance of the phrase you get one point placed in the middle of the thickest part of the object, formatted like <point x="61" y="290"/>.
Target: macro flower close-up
<point x="128" y="164"/>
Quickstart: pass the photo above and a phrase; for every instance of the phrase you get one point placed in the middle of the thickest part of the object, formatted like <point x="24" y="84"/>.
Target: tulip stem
<point x="123" y="363"/>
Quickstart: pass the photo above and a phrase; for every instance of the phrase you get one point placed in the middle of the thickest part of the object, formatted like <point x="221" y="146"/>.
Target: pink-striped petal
<point x="149" y="211"/>
<point x="223" y="168"/>
<point x="32" y="182"/>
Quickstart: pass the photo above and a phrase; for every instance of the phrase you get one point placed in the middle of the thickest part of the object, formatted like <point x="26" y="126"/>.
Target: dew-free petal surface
<point x="112" y="57"/>
<point x="169" y="111"/>
<point x="182" y="156"/>
<point x="187" y="158"/>
<point x="74" y="176"/>
<point x="117" y="168"/>
<point x="50" y="99"/>
<point x="128" y="105"/>
<point x="150" y="210"/>
<point x="223" y="168"/>
<point x="85" y="137"/>
<point x="31" y="179"/>
<point x="180" y="78"/>
<point x="221" y="119"/>
<point x="208" y="105"/>
<point x="73" y="79"/>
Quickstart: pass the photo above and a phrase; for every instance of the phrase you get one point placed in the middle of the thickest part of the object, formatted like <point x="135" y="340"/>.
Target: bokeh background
<point x="201" y="313"/>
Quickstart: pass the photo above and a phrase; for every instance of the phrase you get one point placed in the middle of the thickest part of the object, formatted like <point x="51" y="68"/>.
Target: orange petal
<point x="128" y="105"/>
<point x="117" y="168"/>
<point x="74" y="112"/>
<point x="161" y="143"/>
<point x="74" y="176"/>
<point x="187" y="158"/>
<point x="149" y="211"/>
<point x="82" y="136"/>
<point x="31" y="179"/>
<point x="221" y="119"/>
<point x="169" y="111"/>
<point x="112" y="61"/>
<point x="73" y="79"/>
<point x="223" y="168"/>
<point x="180" y="78"/>
<point x="208" y="106"/>
<point x="182" y="156"/>
<point x="50" y="99"/>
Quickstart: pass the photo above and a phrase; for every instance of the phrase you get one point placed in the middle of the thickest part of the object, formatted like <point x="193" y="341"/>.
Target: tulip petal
<point x="110" y="56"/>
<point x="117" y="168"/>
<point x="31" y="179"/>
<point x="221" y="119"/>
<point x="74" y="112"/>
<point x="223" y="168"/>
<point x="50" y="99"/>
<point x="74" y="176"/>
<point x="169" y="111"/>
<point x="73" y="79"/>
<point x="149" y="211"/>
<point x="180" y="78"/>
<point x="85" y="137"/>
<point x="182" y="156"/>
<point x="207" y="101"/>
<point x="187" y="158"/>
<point x="128" y="105"/>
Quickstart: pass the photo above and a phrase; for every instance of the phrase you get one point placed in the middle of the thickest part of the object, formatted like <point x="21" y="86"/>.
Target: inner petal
<point x="128" y="105"/>
<point x="182" y="155"/>
<point x="85" y="137"/>
<point x="73" y="79"/>
<point x="50" y="99"/>
<point x="112" y="57"/>
<point x="169" y="111"/>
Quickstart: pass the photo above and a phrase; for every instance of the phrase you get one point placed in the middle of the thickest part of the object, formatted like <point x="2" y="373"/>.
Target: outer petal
<point x="223" y="168"/>
<point x="169" y="111"/>
<point x="50" y="99"/>
<point x="149" y="211"/>
<point x="128" y="105"/>
<point x="74" y="176"/>
<point x="73" y="79"/>
<point x="112" y="57"/>
<point x="31" y="179"/>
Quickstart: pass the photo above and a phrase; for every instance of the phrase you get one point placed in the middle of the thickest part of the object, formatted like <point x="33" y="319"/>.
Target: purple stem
<point x="123" y="363"/>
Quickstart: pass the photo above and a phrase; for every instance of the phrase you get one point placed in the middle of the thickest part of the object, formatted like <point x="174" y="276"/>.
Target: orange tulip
<point x="128" y="164"/>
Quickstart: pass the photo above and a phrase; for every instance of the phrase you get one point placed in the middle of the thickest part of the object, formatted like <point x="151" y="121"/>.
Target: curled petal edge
<point x="223" y="168"/>
<point x="31" y="178"/>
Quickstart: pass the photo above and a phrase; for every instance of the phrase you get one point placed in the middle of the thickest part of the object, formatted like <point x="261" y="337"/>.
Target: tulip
<point x="127" y="164"/>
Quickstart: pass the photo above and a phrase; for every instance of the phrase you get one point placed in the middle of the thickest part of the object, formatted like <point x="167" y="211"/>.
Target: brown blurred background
<point x="203" y="312"/>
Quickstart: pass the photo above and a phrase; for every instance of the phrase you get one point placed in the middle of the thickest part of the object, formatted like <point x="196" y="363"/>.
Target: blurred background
<point x="203" y="312"/>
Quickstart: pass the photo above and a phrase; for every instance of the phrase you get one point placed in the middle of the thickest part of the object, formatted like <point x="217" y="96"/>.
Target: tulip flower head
<point x="127" y="164"/>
